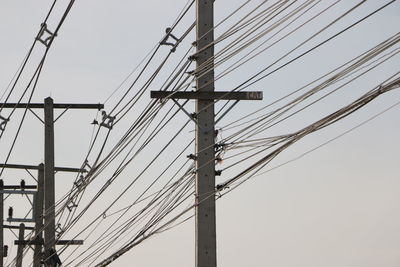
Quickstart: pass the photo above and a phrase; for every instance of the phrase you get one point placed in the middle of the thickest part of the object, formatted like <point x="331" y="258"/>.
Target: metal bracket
<point x="80" y="181"/>
<point x="191" y="116"/>
<point x="108" y="121"/>
<point x="37" y="116"/>
<point x="59" y="230"/>
<point x="71" y="206"/>
<point x="3" y="123"/>
<point x="164" y="41"/>
<point x="87" y="165"/>
<point x="43" y="30"/>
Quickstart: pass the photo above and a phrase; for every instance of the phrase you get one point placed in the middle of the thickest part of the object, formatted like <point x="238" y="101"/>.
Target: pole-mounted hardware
<point x="168" y="32"/>
<point x="107" y="120"/>
<point x="50" y="35"/>
<point x="3" y="123"/>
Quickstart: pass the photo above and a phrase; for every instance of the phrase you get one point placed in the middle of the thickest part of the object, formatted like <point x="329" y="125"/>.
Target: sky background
<point x="337" y="206"/>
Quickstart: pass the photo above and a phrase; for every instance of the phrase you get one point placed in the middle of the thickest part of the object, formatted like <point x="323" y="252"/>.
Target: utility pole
<point x="204" y="117"/>
<point x="20" y="252"/>
<point x="38" y="216"/>
<point x="206" y="253"/>
<point x="49" y="188"/>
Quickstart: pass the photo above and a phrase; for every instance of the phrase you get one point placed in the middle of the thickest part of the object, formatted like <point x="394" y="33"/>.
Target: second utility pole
<point x="49" y="188"/>
<point x="48" y="171"/>
<point x="206" y="255"/>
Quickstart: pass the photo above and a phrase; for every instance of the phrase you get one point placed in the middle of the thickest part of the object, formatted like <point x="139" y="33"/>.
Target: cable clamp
<point x="219" y="146"/>
<point x="221" y="187"/>
<point x="42" y="31"/>
<point x="191" y="156"/>
<point x="192" y="57"/>
<point x="169" y="34"/>
<point x="108" y="121"/>
<point x="218" y="172"/>
<point x="3" y="123"/>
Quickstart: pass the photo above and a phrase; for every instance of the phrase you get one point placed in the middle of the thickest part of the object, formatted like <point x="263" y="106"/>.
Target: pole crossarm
<point x="31" y="167"/>
<point x="208" y="95"/>
<point x="18" y="192"/>
<point x="27" y="220"/>
<point x="15" y="187"/>
<point x="17" y="227"/>
<point x="55" y="105"/>
<point x="41" y="242"/>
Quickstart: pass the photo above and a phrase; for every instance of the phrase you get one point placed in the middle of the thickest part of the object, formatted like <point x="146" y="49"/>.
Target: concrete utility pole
<point x="206" y="253"/>
<point x="49" y="188"/>
<point x="20" y="252"/>
<point x="38" y="216"/>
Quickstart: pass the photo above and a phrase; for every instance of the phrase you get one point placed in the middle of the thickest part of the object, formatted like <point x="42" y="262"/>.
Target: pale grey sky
<point x="337" y="206"/>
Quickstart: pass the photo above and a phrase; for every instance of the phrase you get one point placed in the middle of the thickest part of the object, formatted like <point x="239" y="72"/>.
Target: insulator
<point x="10" y="212"/>
<point x="5" y="251"/>
<point x="22" y="184"/>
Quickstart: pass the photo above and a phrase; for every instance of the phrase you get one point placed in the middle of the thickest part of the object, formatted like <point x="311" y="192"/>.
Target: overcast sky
<point x="337" y="206"/>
